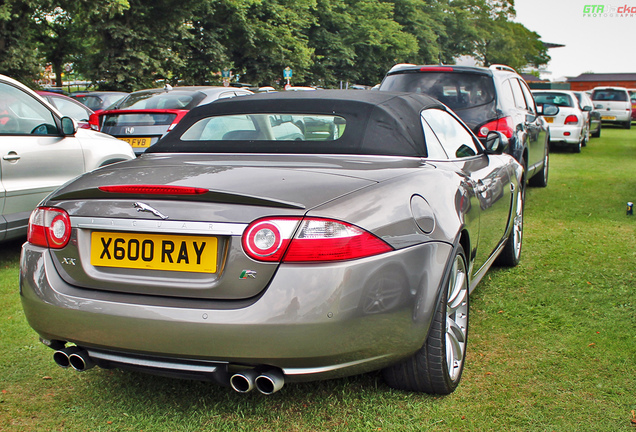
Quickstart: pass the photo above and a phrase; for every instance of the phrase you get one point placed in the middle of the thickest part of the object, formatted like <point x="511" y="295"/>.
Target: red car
<point x="69" y="107"/>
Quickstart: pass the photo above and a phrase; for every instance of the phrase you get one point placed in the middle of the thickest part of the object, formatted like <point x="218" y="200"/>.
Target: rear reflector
<point x="154" y="190"/>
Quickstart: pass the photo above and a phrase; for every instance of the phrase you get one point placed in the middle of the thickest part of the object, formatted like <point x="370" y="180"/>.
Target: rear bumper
<point x="619" y="116"/>
<point x="313" y="322"/>
<point x="566" y="134"/>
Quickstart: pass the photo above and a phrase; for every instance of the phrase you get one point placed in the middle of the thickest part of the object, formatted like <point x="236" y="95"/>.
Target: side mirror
<point x="69" y="126"/>
<point x="550" y="110"/>
<point x="587" y="108"/>
<point x="496" y="142"/>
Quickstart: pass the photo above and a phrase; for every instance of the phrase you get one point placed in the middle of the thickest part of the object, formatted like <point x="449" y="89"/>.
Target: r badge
<point x="248" y="274"/>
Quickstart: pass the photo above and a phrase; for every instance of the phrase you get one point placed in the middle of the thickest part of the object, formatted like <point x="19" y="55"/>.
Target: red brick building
<point x="588" y="81"/>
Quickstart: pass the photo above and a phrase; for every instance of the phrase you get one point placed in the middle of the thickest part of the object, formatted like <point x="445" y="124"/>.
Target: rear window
<point x="456" y="90"/>
<point x="93" y="102"/>
<point x="96" y="102"/>
<point x="153" y="119"/>
<point x="166" y="100"/>
<point x="558" y="99"/>
<point x="266" y="127"/>
<point x="610" y="95"/>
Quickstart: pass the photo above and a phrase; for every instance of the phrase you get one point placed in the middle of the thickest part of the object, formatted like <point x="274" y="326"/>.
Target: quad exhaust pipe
<point x="267" y="382"/>
<point x="74" y="357"/>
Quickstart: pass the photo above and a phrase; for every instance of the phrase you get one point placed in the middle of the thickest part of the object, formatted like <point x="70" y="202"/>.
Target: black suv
<point x="486" y="99"/>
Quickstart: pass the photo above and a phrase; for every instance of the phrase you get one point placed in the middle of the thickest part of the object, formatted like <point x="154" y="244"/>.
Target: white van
<point x="614" y="105"/>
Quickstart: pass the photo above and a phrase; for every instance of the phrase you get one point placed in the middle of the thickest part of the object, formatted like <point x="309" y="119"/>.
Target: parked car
<point x="614" y="104"/>
<point x="143" y="117"/>
<point x="98" y="100"/>
<point x="253" y="258"/>
<point x="570" y="126"/>
<point x="632" y="98"/>
<point x="69" y="107"/>
<point x="41" y="150"/>
<point x="299" y="88"/>
<point x="486" y="99"/>
<point x="593" y="116"/>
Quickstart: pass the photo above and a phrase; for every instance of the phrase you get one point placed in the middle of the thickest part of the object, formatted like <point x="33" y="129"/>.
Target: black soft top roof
<point x="377" y="123"/>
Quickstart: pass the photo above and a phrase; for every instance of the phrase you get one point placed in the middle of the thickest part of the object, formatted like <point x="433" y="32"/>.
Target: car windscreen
<point x="558" y="99"/>
<point x="173" y="99"/>
<point x="610" y="95"/>
<point x="454" y="89"/>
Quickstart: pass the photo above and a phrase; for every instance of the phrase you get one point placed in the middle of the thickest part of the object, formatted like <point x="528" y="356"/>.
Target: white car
<point x="614" y="105"/>
<point x="41" y="150"/>
<point x="570" y="125"/>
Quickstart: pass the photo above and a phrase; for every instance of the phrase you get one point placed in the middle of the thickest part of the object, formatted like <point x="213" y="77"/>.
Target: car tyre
<point x="540" y="179"/>
<point x="576" y="148"/>
<point x="628" y="124"/>
<point x="511" y="253"/>
<point x="437" y="366"/>
<point x="597" y="133"/>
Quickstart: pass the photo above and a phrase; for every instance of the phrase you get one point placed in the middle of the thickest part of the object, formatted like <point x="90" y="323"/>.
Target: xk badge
<point x="248" y="274"/>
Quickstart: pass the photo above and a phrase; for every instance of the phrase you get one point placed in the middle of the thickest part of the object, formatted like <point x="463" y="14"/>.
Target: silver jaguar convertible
<point x="279" y="238"/>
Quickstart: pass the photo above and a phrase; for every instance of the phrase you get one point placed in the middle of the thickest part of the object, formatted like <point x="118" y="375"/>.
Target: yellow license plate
<point x="608" y="118"/>
<point x="137" y="142"/>
<point x="184" y="253"/>
<point x="549" y="119"/>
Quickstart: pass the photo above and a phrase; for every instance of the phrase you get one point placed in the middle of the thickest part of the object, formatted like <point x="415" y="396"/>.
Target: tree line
<point x="130" y="44"/>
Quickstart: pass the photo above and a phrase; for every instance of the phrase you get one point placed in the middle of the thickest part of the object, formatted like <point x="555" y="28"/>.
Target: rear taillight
<point x="49" y="227"/>
<point x="309" y="240"/>
<point x="267" y="239"/>
<point x="571" y="119"/>
<point x="177" y="119"/>
<point x="93" y="121"/>
<point x="504" y="125"/>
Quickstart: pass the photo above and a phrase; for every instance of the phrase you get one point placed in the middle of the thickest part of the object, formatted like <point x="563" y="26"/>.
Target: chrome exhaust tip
<point x="62" y="356"/>
<point x="80" y="361"/>
<point x="243" y="381"/>
<point x="270" y="382"/>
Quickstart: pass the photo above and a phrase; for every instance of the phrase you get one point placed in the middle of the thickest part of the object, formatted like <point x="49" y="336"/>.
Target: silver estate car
<point x="41" y="150"/>
<point x="280" y="238"/>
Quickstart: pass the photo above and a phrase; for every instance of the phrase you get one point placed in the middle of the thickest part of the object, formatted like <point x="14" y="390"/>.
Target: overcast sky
<point x="601" y="44"/>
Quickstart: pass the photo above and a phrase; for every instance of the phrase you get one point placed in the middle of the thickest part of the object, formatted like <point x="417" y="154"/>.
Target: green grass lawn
<point x="552" y="344"/>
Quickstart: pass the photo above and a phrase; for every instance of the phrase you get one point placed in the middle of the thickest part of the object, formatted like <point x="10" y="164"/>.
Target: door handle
<point x="11" y="156"/>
